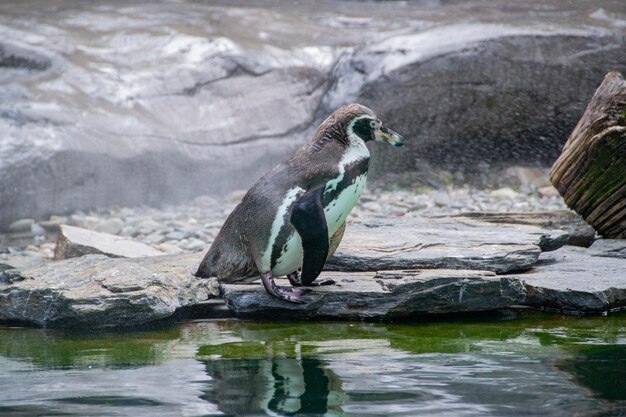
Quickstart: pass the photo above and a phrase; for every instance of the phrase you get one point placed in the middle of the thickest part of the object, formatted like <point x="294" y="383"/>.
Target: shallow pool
<point x="508" y="364"/>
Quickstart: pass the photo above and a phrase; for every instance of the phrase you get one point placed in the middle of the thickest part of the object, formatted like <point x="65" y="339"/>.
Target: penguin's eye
<point x="373" y="124"/>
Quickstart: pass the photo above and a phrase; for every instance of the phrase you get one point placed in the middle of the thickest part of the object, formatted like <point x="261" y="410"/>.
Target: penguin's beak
<point x="388" y="136"/>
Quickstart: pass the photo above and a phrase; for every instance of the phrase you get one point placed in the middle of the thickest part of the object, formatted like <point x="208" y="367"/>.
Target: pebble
<point x="192" y="226"/>
<point x="148" y="226"/>
<point x="169" y="247"/>
<point x="176" y="235"/>
<point x="37" y="230"/>
<point x="441" y="199"/>
<point x="20" y="226"/>
<point x="504" y="192"/>
<point x="154" y="238"/>
<point x="195" y="245"/>
<point x="128" y="231"/>
<point x="112" y="226"/>
<point x="549" y="192"/>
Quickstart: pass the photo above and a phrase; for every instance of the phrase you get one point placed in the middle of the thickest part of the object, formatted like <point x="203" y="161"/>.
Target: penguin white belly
<point x="291" y="258"/>
<point x="338" y="209"/>
<point x="335" y="214"/>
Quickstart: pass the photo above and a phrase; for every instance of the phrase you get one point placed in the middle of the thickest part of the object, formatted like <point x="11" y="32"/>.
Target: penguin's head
<point x="369" y="127"/>
<point x="357" y="120"/>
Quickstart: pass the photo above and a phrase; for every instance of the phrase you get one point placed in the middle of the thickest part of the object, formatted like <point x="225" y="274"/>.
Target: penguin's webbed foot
<point x="293" y="295"/>
<point x="294" y="279"/>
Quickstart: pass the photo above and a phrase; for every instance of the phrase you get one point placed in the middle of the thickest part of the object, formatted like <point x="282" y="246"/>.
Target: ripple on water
<point x="530" y="364"/>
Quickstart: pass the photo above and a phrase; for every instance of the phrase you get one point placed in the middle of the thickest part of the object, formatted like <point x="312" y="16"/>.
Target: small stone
<point x="522" y="206"/>
<point x="127" y="231"/>
<point x="549" y="191"/>
<point x="20" y="226"/>
<point x="176" y="235"/>
<point x="458" y="204"/>
<point x="441" y="199"/>
<point x="90" y="222"/>
<point x="420" y="205"/>
<point x="169" y="247"/>
<point x="504" y="193"/>
<point x="194" y="245"/>
<point x="372" y="206"/>
<point x="125" y="212"/>
<point x="30" y="250"/>
<point x="148" y="226"/>
<point x="155" y="238"/>
<point x="37" y="230"/>
<point x="112" y="226"/>
<point x="52" y="224"/>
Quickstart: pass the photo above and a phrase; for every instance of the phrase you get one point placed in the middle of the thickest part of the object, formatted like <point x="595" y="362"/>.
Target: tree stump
<point x="590" y="173"/>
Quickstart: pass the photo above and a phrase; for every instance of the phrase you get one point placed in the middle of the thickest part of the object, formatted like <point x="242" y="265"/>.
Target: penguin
<point x="293" y="218"/>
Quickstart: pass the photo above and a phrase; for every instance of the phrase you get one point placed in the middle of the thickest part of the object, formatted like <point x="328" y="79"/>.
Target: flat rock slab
<point x="448" y="243"/>
<point x="574" y="281"/>
<point x="95" y="291"/>
<point x="610" y="248"/>
<point x="580" y="232"/>
<point x="382" y="295"/>
<point x="8" y="262"/>
<point x="73" y="242"/>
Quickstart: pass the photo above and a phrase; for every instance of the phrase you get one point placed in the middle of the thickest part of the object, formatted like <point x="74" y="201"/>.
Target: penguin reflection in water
<point x="294" y="217"/>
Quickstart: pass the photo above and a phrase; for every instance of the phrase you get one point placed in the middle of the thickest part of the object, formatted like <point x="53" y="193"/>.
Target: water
<point x="515" y="364"/>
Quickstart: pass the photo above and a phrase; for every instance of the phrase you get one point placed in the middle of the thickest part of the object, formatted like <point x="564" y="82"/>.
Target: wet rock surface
<point x="383" y="295"/>
<point x="150" y="103"/>
<point x="576" y="281"/>
<point x="570" y="280"/>
<point x="580" y="232"/>
<point x="609" y="248"/>
<point x="94" y="291"/>
<point x="449" y="243"/>
<point x="396" y="229"/>
<point x="442" y="228"/>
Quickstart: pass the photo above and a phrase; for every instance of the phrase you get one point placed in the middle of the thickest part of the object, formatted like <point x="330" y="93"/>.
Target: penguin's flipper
<point x="308" y="218"/>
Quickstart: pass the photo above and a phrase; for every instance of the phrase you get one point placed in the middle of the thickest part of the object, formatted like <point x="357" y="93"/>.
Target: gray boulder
<point x="449" y="243"/>
<point x="382" y="295"/>
<point x="94" y="291"/>
<point x="471" y="98"/>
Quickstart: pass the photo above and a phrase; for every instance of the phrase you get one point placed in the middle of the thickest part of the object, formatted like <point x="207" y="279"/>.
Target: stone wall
<point x="124" y="105"/>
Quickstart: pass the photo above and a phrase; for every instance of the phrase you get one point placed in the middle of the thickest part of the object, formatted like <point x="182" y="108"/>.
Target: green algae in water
<point x="521" y="364"/>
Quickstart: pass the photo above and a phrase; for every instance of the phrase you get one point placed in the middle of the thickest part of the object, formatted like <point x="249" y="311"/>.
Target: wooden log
<point x="590" y="173"/>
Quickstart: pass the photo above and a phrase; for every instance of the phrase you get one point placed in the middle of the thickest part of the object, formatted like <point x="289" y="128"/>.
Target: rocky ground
<point x="405" y="254"/>
<point x="191" y="227"/>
